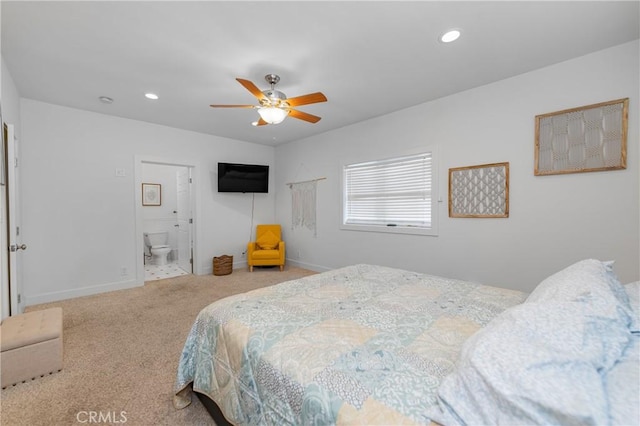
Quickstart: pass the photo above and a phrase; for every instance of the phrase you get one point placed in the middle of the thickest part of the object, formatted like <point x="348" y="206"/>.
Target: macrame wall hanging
<point x="303" y="204"/>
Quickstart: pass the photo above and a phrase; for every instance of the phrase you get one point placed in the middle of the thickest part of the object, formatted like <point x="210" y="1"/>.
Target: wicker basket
<point x="222" y="265"/>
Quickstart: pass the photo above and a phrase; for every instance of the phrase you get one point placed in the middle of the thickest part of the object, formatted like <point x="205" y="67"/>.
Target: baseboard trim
<point x="122" y="285"/>
<point x="79" y="292"/>
<point x="304" y="265"/>
<point x="310" y="266"/>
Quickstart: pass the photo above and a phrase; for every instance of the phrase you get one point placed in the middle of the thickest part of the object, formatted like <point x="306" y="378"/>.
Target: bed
<point x="368" y="344"/>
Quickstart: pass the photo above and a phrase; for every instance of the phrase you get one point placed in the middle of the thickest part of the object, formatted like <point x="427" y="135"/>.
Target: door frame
<point x="12" y="302"/>
<point x="139" y="160"/>
<point x="5" y="308"/>
<point x="189" y="223"/>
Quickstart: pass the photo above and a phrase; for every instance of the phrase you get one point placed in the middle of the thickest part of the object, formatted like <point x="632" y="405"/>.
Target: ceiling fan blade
<point x="261" y="122"/>
<point x="311" y="98"/>
<point x="304" y="116"/>
<point x="232" y="106"/>
<point x="252" y="88"/>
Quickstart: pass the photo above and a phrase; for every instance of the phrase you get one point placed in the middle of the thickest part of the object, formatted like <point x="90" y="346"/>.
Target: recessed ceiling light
<point x="105" y="99"/>
<point x="449" y="36"/>
<point x="151" y="96"/>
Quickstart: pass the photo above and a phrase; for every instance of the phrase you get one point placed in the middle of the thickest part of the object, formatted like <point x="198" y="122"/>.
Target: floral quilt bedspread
<point x="362" y="344"/>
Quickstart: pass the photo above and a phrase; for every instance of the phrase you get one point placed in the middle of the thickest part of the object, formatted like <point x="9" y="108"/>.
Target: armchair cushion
<point x="266" y="254"/>
<point x="267" y="241"/>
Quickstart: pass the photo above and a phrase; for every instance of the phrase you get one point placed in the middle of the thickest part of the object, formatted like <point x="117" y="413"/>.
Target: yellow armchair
<point x="267" y="249"/>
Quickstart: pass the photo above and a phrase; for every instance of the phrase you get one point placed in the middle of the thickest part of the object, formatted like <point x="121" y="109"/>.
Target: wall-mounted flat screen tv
<point x="243" y="178"/>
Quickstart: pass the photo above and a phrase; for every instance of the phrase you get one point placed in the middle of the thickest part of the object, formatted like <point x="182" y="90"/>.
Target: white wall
<point x="554" y="220"/>
<point x="79" y="218"/>
<point x="10" y="99"/>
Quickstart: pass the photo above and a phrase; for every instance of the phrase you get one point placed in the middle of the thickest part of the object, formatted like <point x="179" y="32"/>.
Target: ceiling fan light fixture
<point x="451" y="35"/>
<point x="273" y="115"/>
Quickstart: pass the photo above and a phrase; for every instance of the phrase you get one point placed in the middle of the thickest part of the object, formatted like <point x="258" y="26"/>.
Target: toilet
<point x="156" y="242"/>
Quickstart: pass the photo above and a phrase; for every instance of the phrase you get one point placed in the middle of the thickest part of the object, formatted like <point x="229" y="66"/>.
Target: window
<point x="390" y="195"/>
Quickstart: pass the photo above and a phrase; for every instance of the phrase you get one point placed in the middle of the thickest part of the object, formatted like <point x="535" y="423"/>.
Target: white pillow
<point x="622" y="386"/>
<point x="577" y="279"/>
<point x="544" y="361"/>
<point x="633" y="291"/>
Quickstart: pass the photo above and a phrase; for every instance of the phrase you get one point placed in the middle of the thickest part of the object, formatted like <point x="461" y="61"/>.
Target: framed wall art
<point x="585" y="139"/>
<point x="151" y="194"/>
<point x="479" y="191"/>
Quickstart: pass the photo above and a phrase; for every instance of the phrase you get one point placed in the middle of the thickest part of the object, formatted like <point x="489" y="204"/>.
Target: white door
<point x="185" y="257"/>
<point x="13" y="230"/>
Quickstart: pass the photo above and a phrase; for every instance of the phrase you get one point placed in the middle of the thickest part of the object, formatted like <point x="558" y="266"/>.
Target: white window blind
<point x="395" y="192"/>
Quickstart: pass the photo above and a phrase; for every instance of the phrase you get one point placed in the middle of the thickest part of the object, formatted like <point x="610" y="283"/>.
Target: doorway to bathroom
<point x="165" y="218"/>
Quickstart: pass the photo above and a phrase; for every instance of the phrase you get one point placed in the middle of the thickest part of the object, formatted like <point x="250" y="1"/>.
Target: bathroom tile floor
<point x="159" y="272"/>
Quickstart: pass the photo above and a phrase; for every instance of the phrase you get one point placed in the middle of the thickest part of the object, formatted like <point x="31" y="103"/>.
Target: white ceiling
<point x="368" y="58"/>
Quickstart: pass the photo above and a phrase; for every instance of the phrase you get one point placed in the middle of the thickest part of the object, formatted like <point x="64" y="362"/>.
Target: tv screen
<point x="243" y="178"/>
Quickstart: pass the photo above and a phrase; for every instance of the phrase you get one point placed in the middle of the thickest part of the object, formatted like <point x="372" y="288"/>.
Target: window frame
<point x="412" y="230"/>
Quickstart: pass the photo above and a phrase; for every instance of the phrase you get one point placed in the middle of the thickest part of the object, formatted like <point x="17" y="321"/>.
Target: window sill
<point x="412" y="230"/>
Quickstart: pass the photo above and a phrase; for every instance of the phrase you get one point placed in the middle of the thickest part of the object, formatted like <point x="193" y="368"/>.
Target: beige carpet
<point x="121" y="351"/>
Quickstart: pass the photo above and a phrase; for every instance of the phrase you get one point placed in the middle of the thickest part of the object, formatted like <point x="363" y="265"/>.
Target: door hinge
<point x="15" y="162"/>
<point x="191" y="261"/>
<point x="17" y="230"/>
<point x="190" y="180"/>
<point x="190" y="220"/>
<point x="19" y="298"/>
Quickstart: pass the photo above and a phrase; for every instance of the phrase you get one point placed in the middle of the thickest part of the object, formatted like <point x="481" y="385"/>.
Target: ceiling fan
<point x="274" y="106"/>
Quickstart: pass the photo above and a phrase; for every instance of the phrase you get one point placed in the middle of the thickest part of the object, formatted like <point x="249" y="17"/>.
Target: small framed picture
<point x="479" y="191"/>
<point x="151" y="194"/>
